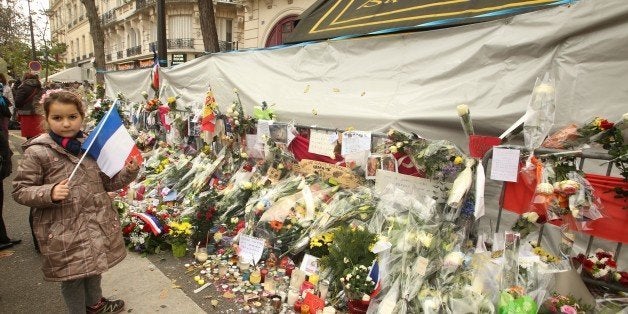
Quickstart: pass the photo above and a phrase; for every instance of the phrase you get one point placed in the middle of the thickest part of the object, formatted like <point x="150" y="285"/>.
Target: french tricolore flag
<point x="113" y="145"/>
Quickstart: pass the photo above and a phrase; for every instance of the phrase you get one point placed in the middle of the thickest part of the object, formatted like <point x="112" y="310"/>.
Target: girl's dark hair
<point x="3" y="79"/>
<point x="62" y="96"/>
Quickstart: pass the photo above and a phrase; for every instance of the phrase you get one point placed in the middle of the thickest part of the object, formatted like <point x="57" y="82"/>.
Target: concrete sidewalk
<point x="144" y="288"/>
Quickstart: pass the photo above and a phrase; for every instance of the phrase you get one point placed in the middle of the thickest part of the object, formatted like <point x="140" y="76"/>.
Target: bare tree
<point x="208" y="25"/>
<point x="98" y="39"/>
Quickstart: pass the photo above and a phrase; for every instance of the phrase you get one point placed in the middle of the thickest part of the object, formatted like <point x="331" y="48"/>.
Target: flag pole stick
<point x="92" y="142"/>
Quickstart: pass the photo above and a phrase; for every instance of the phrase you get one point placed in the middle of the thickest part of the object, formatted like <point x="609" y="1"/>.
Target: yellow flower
<point x="458" y="160"/>
<point x="171" y="99"/>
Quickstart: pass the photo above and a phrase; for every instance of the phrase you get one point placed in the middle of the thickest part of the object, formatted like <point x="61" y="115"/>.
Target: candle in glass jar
<point x="293" y="296"/>
<point x="323" y="288"/>
<point x="222" y="269"/>
<point x="256" y="277"/>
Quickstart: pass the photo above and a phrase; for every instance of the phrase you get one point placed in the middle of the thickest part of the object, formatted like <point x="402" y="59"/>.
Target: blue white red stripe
<point x="374" y="274"/>
<point x="151" y="221"/>
<point x="113" y="146"/>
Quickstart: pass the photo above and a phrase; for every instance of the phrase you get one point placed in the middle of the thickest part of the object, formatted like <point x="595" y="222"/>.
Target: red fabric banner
<point x="299" y="148"/>
<point x="612" y="226"/>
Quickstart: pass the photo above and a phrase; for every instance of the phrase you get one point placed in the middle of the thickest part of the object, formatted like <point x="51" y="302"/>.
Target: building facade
<point x="268" y="22"/>
<point x="130" y="28"/>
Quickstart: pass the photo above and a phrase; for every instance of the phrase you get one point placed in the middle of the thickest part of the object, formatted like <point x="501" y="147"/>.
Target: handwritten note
<point x="344" y="176"/>
<point x="263" y="128"/>
<point x="355" y="141"/>
<point x="309" y="264"/>
<point x="320" y="143"/>
<point x="408" y="184"/>
<point x="171" y="196"/>
<point x="254" y="148"/>
<point x="251" y="248"/>
<point x="505" y="164"/>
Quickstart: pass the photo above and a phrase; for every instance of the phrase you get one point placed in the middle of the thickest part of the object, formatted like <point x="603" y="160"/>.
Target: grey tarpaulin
<point x="414" y="81"/>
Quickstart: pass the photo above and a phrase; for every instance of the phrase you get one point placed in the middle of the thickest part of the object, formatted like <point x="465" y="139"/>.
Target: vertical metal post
<point x="609" y="168"/>
<point x="618" y="251"/>
<point x="162" y="47"/>
<point x="581" y="165"/>
<point x="538" y="241"/>
<point x="501" y="206"/>
<point x="589" y="245"/>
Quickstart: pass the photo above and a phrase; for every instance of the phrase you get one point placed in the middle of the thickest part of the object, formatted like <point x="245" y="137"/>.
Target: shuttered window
<point x="180" y="26"/>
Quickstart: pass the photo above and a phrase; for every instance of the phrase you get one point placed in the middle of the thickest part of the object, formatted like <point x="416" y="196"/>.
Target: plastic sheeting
<point x="414" y="81"/>
<point x="68" y="75"/>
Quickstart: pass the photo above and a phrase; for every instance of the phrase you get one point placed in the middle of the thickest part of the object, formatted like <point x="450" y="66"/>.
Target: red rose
<point x="199" y="215"/>
<point x="587" y="264"/>
<point x="166" y="228"/>
<point x="208" y="215"/>
<point x="248" y="167"/>
<point x="605" y="125"/>
<point x="603" y="254"/>
<point x="611" y="263"/>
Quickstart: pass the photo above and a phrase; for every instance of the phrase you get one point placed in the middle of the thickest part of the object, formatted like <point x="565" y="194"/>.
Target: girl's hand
<point x="132" y="164"/>
<point x="60" y="191"/>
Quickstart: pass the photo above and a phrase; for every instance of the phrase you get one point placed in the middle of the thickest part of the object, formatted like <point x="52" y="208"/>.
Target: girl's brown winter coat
<point x="79" y="236"/>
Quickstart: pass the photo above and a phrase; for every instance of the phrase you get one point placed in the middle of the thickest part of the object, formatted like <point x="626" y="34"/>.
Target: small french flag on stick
<point x="111" y="145"/>
<point x="151" y="221"/>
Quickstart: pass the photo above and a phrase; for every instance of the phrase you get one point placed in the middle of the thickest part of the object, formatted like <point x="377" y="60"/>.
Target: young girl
<point x="76" y="226"/>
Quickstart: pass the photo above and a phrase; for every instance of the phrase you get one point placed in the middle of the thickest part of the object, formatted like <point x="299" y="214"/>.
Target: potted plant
<point x="358" y="286"/>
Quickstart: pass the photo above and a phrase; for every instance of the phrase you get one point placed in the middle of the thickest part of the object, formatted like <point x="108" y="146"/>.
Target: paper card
<point x="357" y="160"/>
<point x="355" y="141"/>
<point x="320" y="144"/>
<point x="380" y="246"/>
<point x="344" y="176"/>
<point x="171" y="196"/>
<point x="505" y="164"/>
<point x="279" y="133"/>
<point x="408" y="184"/>
<point x="263" y="128"/>
<point x="251" y="248"/>
<point x="314" y="302"/>
<point x="254" y="148"/>
<point x="309" y="264"/>
<point x="373" y="164"/>
<point x="273" y="174"/>
<point x="333" y="137"/>
<point x="421" y="265"/>
<point x="292" y="133"/>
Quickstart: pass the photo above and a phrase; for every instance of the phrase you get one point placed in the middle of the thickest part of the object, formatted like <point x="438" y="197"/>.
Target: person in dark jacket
<point x="27" y="97"/>
<point x="5" y="171"/>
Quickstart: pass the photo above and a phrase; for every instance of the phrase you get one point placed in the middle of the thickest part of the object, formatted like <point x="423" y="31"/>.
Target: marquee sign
<point x="328" y="19"/>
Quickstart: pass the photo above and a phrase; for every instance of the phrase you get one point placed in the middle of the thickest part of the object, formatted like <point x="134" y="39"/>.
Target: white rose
<point x="531" y="216"/>
<point x="462" y="110"/>
<point x="366" y="298"/>
<point x="454" y="259"/>
<point x="393" y="149"/>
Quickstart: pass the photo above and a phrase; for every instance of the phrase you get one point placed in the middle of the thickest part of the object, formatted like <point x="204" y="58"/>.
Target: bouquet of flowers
<point x="172" y="102"/>
<point x="319" y="244"/>
<point x="357" y="284"/>
<point x="601" y="266"/>
<point x="351" y="246"/>
<point x="179" y="232"/>
<point x="573" y="136"/>
<point x="527" y="223"/>
<point x="344" y="207"/>
<point x="564" y="304"/>
<point x="514" y="300"/>
<point x="152" y="105"/>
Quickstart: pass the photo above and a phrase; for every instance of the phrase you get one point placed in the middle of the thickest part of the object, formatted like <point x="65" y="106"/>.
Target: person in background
<point x="77" y="228"/>
<point x="5" y="90"/>
<point x="5" y="171"/>
<point x="27" y="97"/>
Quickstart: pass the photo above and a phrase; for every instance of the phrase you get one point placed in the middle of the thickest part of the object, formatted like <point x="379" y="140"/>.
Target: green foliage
<point x="350" y="247"/>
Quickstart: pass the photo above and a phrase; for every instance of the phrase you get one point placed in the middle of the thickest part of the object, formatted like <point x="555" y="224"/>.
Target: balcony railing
<point x="133" y="51"/>
<point x="181" y="43"/>
<point x="108" y="57"/>
<point x="108" y="17"/>
<point x="120" y="54"/>
<point x="140" y="4"/>
<point x="227" y="45"/>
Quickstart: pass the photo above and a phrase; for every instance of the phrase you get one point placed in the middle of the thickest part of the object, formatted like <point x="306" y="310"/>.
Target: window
<point x="224" y="29"/>
<point x="280" y="31"/>
<point x="180" y="26"/>
<point x="84" y="46"/>
<point x="78" y="49"/>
